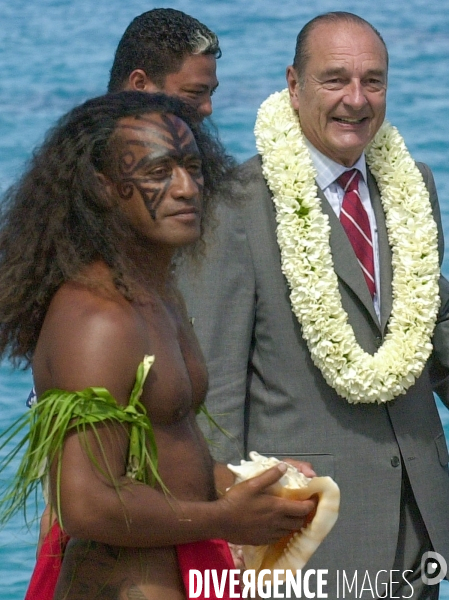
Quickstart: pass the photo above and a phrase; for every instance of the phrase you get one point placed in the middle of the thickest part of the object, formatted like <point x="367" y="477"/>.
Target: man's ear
<point x="106" y="196"/>
<point x="107" y="185"/>
<point x="139" y="81"/>
<point x="293" y="86"/>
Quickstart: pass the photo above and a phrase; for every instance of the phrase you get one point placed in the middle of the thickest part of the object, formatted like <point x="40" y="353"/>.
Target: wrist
<point x="224" y="478"/>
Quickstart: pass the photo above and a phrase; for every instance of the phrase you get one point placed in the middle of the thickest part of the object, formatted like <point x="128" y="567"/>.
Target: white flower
<point x="303" y="237"/>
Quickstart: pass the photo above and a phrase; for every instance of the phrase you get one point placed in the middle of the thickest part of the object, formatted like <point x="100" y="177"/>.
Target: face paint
<point x="156" y="177"/>
<point x="154" y="145"/>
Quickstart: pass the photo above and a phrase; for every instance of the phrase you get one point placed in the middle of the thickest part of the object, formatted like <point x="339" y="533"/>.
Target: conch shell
<point x="293" y="551"/>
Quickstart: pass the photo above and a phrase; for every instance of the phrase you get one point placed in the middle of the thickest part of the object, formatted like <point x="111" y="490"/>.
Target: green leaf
<point x="55" y="414"/>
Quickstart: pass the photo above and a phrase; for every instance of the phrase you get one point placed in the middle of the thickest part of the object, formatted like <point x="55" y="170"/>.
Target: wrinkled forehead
<point x="155" y="130"/>
<point x="328" y="41"/>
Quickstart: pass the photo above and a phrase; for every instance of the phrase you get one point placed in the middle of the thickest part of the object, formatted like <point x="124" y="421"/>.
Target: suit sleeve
<point x="220" y="297"/>
<point x="439" y="361"/>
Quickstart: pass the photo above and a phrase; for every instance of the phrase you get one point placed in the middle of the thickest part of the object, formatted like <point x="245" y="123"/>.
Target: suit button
<point x="378" y="341"/>
<point x="395" y="461"/>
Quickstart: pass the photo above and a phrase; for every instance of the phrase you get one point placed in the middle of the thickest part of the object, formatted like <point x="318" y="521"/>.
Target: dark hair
<point x="157" y="42"/>
<point x="302" y="53"/>
<point x="57" y="218"/>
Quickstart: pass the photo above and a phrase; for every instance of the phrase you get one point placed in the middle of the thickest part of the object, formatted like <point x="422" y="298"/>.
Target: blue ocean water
<point x="57" y="53"/>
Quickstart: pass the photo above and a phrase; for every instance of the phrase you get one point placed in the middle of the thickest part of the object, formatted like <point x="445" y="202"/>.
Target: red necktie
<point x="354" y="219"/>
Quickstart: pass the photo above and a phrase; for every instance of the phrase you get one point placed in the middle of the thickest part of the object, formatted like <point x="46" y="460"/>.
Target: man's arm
<point x="439" y="362"/>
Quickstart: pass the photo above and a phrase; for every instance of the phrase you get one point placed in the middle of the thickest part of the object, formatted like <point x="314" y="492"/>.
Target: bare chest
<point x="177" y="382"/>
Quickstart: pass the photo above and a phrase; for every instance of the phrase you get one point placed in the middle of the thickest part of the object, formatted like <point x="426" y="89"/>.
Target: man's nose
<point x="183" y="184"/>
<point x="355" y="94"/>
<point x="205" y="108"/>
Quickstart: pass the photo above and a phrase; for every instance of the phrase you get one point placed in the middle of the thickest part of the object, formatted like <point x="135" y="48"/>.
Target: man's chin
<point x="348" y="148"/>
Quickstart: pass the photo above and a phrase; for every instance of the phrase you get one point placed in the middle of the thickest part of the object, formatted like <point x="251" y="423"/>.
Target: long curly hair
<point x="57" y="218"/>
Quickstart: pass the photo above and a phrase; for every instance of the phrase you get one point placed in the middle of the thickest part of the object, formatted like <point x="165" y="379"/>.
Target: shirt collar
<point x="328" y="170"/>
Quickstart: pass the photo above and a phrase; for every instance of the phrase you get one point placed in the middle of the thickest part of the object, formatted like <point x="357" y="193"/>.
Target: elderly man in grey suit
<point x="317" y="309"/>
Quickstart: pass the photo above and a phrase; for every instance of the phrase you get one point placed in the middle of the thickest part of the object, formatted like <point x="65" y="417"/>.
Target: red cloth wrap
<point x="46" y="572"/>
<point x="205" y="555"/>
<point x="209" y="554"/>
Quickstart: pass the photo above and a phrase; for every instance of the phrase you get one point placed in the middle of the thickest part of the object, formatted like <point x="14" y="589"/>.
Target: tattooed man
<point x="162" y="50"/>
<point x="87" y="241"/>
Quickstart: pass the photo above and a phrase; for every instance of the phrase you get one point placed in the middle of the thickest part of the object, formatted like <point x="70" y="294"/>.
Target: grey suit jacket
<point x="266" y="392"/>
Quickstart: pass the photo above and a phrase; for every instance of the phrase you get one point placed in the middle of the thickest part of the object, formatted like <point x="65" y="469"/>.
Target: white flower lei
<point x="303" y="236"/>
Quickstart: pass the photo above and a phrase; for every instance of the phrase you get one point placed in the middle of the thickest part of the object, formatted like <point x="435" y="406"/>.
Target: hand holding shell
<point x="293" y="551"/>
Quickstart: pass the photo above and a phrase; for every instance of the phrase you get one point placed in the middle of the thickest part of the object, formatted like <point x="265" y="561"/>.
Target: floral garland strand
<point x="303" y="236"/>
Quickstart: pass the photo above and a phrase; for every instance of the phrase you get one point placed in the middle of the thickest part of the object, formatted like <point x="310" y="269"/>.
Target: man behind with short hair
<point x="318" y="308"/>
<point x="166" y="50"/>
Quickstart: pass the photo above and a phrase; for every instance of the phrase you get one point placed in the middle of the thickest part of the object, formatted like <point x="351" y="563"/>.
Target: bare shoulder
<point x="90" y="337"/>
